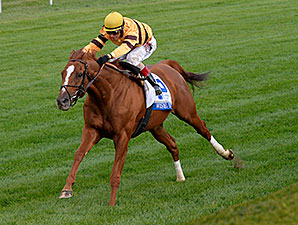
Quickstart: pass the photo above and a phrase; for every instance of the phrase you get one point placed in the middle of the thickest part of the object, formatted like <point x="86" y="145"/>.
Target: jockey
<point x="135" y="40"/>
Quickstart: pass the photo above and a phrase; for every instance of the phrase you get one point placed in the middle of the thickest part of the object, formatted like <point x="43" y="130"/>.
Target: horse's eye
<point x="80" y="75"/>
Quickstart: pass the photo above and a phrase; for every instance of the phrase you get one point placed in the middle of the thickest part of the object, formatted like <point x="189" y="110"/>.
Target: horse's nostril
<point x="65" y="100"/>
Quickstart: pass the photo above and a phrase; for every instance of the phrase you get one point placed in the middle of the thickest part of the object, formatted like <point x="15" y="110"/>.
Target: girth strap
<point x="143" y="123"/>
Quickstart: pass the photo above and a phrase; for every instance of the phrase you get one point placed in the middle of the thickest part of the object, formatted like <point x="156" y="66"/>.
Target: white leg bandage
<point x="218" y="147"/>
<point x="179" y="172"/>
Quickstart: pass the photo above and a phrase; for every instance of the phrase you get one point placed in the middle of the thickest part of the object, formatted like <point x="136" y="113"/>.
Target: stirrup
<point x="152" y="81"/>
<point x="157" y="89"/>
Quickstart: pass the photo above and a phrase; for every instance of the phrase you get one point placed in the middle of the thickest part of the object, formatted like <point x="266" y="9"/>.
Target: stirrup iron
<point x="152" y="81"/>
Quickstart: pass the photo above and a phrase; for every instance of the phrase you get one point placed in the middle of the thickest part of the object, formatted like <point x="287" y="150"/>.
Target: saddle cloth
<point x="160" y="102"/>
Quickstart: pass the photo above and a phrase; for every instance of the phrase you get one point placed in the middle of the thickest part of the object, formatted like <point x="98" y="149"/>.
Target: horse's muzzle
<point x="63" y="102"/>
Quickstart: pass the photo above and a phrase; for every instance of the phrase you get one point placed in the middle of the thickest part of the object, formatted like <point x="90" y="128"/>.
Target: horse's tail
<point x="195" y="79"/>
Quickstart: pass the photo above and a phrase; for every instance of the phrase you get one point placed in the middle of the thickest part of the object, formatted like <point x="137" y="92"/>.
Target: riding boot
<point x="152" y="81"/>
<point x="146" y="73"/>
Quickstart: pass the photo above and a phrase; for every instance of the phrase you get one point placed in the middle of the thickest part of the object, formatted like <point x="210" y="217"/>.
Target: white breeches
<point x="139" y="54"/>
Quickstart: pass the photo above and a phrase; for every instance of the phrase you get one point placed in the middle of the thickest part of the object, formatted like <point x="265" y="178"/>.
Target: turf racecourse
<point x="250" y="104"/>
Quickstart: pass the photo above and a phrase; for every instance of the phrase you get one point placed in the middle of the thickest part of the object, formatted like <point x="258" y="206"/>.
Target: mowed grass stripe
<point x="74" y="21"/>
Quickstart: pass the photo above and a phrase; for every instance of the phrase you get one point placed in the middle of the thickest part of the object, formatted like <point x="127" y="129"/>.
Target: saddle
<point x="138" y="76"/>
<point x="133" y="69"/>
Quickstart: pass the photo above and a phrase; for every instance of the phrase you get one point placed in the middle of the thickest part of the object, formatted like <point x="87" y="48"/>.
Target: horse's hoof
<point x="230" y="156"/>
<point x="66" y="194"/>
<point x="180" y="179"/>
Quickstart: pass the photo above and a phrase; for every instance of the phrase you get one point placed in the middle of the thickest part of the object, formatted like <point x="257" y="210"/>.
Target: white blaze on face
<point x="69" y="71"/>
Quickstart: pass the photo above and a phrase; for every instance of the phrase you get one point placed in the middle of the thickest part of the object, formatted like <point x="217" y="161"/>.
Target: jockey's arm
<point x="96" y="44"/>
<point x="129" y="42"/>
<point x="126" y="46"/>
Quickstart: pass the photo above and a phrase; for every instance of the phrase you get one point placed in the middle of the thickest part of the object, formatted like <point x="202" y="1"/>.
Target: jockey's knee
<point x="141" y="66"/>
<point x="133" y="60"/>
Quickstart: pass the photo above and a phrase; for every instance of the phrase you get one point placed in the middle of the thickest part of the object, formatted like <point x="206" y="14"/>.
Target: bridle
<point x="81" y="89"/>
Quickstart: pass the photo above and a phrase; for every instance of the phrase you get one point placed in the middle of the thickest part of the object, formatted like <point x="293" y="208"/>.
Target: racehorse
<point x="115" y="104"/>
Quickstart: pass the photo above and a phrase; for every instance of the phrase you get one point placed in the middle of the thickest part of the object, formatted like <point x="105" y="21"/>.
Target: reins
<point x="125" y="72"/>
<point x="82" y="90"/>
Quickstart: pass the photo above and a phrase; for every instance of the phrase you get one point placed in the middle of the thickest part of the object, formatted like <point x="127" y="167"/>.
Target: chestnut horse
<point x="114" y="106"/>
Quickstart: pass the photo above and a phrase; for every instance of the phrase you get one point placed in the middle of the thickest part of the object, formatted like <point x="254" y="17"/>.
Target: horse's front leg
<point x="121" y="143"/>
<point x="90" y="137"/>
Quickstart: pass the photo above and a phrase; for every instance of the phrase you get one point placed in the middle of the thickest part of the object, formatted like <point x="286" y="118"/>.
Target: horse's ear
<point x="71" y="54"/>
<point x="91" y="52"/>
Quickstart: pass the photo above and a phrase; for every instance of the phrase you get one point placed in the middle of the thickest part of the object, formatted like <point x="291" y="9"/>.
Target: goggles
<point x="113" y="32"/>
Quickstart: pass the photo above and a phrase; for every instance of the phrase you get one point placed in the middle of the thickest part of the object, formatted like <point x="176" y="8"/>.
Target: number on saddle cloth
<point x="135" y="70"/>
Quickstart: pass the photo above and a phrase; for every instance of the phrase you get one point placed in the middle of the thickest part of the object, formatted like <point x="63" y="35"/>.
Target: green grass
<point x="249" y="104"/>
<point x="277" y="208"/>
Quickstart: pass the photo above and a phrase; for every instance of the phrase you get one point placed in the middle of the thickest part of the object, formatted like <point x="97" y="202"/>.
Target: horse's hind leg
<point x="161" y="135"/>
<point x="190" y="116"/>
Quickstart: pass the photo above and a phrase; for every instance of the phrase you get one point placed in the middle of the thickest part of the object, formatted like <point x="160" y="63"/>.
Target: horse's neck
<point x="106" y="88"/>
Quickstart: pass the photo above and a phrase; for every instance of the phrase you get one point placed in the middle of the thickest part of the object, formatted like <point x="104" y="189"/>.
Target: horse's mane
<point x="80" y="54"/>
